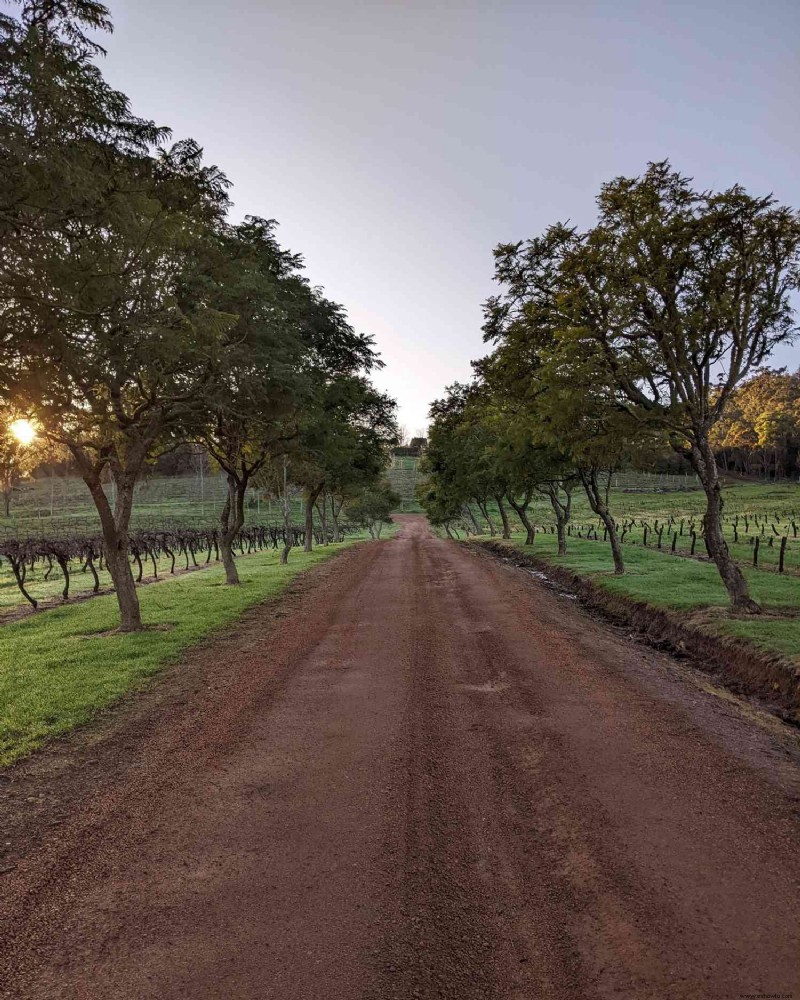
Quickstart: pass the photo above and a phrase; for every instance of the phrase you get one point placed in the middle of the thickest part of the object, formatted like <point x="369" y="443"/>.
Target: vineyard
<point x="51" y="548"/>
<point x="52" y="679"/>
<point x="42" y="570"/>
<point x="761" y="523"/>
<point x="62" y="504"/>
<point x="337" y="662"/>
<point x="404" y="477"/>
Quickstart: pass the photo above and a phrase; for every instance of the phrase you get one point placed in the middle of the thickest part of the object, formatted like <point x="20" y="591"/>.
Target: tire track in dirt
<point x="421" y="775"/>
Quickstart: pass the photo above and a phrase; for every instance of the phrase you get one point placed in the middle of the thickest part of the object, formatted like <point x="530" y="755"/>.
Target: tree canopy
<point x="135" y="314"/>
<point x="646" y="331"/>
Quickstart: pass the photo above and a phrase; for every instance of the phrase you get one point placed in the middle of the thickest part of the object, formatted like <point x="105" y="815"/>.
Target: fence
<point x="652" y="482"/>
<point x="63" y="503"/>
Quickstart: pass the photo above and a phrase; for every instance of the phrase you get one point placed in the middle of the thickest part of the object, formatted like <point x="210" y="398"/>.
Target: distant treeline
<point x="759" y="431"/>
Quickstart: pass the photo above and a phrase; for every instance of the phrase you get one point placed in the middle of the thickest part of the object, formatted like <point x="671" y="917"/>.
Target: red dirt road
<point x="423" y="774"/>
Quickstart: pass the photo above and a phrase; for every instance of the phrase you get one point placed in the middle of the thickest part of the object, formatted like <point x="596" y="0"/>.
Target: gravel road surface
<point x="421" y="774"/>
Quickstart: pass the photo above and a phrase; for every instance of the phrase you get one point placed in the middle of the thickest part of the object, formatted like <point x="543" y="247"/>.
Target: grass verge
<point x="772" y="511"/>
<point x="683" y="597"/>
<point x="58" y="667"/>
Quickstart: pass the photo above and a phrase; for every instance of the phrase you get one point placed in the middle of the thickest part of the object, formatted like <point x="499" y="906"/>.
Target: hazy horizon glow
<point x="397" y="144"/>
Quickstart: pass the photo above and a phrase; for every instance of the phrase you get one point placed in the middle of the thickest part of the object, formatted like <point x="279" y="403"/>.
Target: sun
<point x="24" y="431"/>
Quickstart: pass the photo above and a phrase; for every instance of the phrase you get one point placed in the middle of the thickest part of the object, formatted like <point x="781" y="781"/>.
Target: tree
<point x="373" y="507"/>
<point x="98" y="227"/>
<point x="481" y="448"/>
<point x="442" y="510"/>
<point x="343" y="445"/>
<point x="570" y="409"/>
<point x="457" y="458"/>
<point x="682" y="294"/>
<point x="697" y="296"/>
<point x="248" y="412"/>
<point x="518" y="458"/>
<point x="340" y="448"/>
<point x="761" y="425"/>
<point x="290" y="383"/>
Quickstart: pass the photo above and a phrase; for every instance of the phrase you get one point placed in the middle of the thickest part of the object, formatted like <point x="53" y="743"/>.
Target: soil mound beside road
<point x="422" y="774"/>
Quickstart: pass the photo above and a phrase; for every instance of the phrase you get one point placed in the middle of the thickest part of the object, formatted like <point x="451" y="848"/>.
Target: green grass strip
<point x="682" y="584"/>
<point x="56" y="667"/>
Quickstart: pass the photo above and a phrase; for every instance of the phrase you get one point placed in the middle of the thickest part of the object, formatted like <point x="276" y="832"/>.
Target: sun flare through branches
<point x="24" y="431"/>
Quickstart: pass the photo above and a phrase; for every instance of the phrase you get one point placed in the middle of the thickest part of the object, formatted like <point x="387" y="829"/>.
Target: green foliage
<point x="759" y="431"/>
<point x="636" y="334"/>
<point x="481" y="450"/>
<point x="293" y="376"/>
<point x="345" y="436"/>
<point x="136" y="316"/>
<point x="372" y="507"/>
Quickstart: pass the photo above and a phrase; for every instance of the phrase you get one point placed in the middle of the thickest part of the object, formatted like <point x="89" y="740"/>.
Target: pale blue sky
<point x="397" y="143"/>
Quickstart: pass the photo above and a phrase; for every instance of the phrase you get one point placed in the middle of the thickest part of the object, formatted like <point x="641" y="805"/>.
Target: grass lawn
<point x="681" y="584"/>
<point x="774" y="499"/>
<point x="56" y="668"/>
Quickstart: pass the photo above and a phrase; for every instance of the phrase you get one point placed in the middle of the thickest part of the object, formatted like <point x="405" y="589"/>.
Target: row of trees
<point x="136" y="315"/>
<point x="615" y="344"/>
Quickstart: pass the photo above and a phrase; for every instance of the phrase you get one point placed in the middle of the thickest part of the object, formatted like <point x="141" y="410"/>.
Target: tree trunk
<point x="598" y="501"/>
<point x="335" y="519"/>
<point x="561" y="511"/>
<point x="287" y="515"/>
<point x="472" y="518"/>
<point x="115" y="544"/>
<point x="7" y="502"/>
<point x="311" y="499"/>
<point x="503" y="517"/>
<point x="616" y="547"/>
<point x="522" y="513"/>
<point x="562" y="536"/>
<point x="701" y="457"/>
<point x="231" y="522"/>
<point x="484" y="510"/>
<point x="322" y="510"/>
<point x="122" y="575"/>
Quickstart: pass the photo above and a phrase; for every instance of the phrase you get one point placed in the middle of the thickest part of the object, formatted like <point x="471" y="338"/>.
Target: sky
<point x="398" y="142"/>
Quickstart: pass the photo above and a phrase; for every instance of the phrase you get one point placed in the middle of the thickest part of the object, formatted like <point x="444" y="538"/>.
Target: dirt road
<point x="421" y="775"/>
